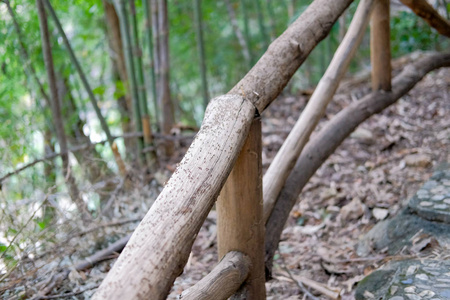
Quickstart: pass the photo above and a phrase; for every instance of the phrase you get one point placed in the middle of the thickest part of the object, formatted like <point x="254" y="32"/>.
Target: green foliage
<point x="410" y="33"/>
<point x="24" y="116"/>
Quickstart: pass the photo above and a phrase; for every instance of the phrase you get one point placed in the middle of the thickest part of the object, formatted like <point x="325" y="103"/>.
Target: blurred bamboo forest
<point x="235" y="33"/>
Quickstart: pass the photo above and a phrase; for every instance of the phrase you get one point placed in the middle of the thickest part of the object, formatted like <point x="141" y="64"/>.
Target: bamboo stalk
<point x="128" y="52"/>
<point x="86" y="85"/>
<point x="201" y="50"/>
<point x="284" y="161"/>
<point x="333" y="134"/>
<point x="160" y="246"/>
<point x="56" y="112"/>
<point x="140" y="85"/>
<point x="149" y="34"/>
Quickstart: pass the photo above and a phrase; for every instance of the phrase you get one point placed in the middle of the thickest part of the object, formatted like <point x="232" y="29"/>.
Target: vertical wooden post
<point x="240" y="214"/>
<point x="380" y="47"/>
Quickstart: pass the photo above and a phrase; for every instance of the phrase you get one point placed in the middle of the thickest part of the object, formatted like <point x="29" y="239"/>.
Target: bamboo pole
<point x="74" y="192"/>
<point x="380" y="46"/>
<point x="160" y="245"/>
<point x="240" y="226"/>
<point x="237" y="31"/>
<point x="86" y="85"/>
<point x="333" y="134"/>
<point x="132" y="82"/>
<point x="284" y="161"/>
<point x="164" y="97"/>
<point x="201" y="50"/>
<point x="149" y="34"/>
<point x="140" y="86"/>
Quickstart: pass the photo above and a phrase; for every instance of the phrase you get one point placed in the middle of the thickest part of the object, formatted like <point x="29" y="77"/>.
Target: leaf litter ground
<point x="366" y="180"/>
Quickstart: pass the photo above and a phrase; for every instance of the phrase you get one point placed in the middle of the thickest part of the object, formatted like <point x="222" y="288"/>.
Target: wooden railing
<point x="225" y="158"/>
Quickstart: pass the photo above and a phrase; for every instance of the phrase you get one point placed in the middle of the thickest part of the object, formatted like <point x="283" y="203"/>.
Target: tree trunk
<point x="56" y="111"/>
<point x="119" y="71"/>
<point x="262" y="27"/>
<point x="332" y="135"/>
<point x="242" y="41"/>
<point x="247" y="36"/>
<point x="271" y="14"/>
<point x="380" y="46"/>
<point x="284" y="161"/>
<point x="146" y="4"/>
<point x="240" y="225"/>
<point x="131" y="74"/>
<point x="49" y="174"/>
<point x="201" y="50"/>
<point x="142" y="92"/>
<point x="89" y="159"/>
<point x="168" y="117"/>
<point x="80" y="72"/>
<point x="160" y="246"/>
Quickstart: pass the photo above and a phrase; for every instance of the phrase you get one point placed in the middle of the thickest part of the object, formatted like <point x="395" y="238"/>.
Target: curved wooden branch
<point x="286" y="157"/>
<point x="331" y="136"/>
<point x="160" y="246"/>
<point x="223" y="281"/>
<point x="424" y="10"/>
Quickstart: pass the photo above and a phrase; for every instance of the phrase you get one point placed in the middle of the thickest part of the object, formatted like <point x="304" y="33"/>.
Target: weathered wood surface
<point x="286" y="157"/>
<point x="265" y="81"/>
<point x="331" y="136"/>
<point x="424" y="10"/>
<point x="223" y="281"/>
<point x="160" y="246"/>
<point x="240" y="225"/>
<point x="380" y="46"/>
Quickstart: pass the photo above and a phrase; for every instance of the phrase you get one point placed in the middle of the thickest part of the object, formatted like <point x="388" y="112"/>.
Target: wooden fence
<point x="225" y="158"/>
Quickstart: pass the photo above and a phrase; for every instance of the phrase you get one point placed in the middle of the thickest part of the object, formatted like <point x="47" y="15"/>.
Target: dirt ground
<point x="366" y="180"/>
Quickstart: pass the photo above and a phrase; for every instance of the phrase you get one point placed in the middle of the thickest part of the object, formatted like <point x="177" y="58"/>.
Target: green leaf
<point x="100" y="90"/>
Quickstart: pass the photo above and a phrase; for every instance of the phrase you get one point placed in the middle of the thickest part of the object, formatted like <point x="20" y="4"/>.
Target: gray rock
<point x="410" y="286"/>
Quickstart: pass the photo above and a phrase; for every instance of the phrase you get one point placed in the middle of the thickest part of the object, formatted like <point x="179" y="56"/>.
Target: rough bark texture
<point x="380" y="46"/>
<point x="223" y="281"/>
<point x="160" y="246"/>
<point x="424" y="10"/>
<point x="240" y="226"/>
<point x="284" y="161"/>
<point x="331" y="136"/>
<point x="272" y="72"/>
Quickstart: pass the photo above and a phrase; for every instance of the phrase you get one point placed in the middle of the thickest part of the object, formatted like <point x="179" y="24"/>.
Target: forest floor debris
<point x="383" y="163"/>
